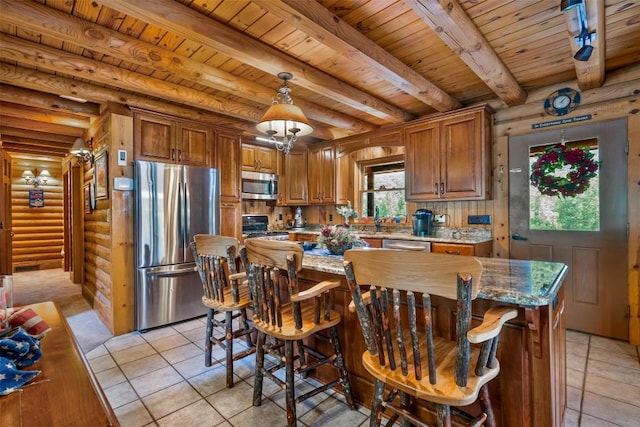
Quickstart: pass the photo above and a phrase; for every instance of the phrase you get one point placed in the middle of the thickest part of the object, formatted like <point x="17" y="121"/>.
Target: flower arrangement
<point x="581" y="166"/>
<point x="337" y="239"/>
<point x="347" y="212"/>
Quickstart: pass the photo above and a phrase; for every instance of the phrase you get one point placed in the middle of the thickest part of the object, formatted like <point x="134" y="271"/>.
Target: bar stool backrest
<point x="215" y="258"/>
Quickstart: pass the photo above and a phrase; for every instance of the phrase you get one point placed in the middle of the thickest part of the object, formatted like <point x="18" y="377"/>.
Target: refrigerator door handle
<point x="172" y="273"/>
<point x="186" y="220"/>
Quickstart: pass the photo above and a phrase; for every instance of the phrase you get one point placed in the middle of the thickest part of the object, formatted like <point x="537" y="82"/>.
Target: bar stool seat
<point x="287" y="316"/>
<point x="225" y="292"/>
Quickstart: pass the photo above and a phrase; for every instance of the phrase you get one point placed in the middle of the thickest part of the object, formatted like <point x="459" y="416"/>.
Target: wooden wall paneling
<point x="500" y="202"/>
<point x="633" y="185"/>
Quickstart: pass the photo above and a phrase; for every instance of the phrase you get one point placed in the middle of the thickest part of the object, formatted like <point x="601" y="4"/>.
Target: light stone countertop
<point x="464" y="239"/>
<point x="520" y="282"/>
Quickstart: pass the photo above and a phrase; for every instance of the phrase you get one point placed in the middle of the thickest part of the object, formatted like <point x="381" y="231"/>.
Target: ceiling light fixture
<point x="83" y="150"/>
<point x="284" y="122"/>
<point x="36" y="180"/>
<point x="585" y="38"/>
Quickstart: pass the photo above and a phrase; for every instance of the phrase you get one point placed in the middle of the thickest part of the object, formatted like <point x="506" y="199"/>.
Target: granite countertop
<point x="520" y="282"/>
<point x="467" y="239"/>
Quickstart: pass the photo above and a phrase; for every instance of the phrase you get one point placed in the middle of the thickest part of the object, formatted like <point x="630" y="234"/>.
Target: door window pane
<point x="573" y="212"/>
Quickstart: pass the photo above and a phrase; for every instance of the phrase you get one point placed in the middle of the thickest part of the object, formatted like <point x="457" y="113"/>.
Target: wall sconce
<point x="584" y="38"/>
<point x="83" y="150"/>
<point x="36" y="181"/>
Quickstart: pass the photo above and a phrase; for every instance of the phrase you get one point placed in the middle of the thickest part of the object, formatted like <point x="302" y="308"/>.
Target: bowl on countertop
<point x="307" y="246"/>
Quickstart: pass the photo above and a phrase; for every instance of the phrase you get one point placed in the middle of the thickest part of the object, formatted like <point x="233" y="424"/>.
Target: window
<point x="383" y="187"/>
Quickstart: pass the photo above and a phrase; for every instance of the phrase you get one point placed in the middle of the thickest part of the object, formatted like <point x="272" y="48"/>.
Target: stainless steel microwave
<point x="259" y="186"/>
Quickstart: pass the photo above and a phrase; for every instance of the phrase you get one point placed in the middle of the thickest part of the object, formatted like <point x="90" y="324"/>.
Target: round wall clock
<point x="561" y="102"/>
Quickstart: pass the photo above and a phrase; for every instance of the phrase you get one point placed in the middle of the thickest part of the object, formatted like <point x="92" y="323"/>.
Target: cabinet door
<point x="266" y="159"/>
<point x="154" y="137"/>
<point x="453" y="248"/>
<point x="462" y="157"/>
<point x="422" y="162"/>
<point x="373" y="243"/>
<point x="344" y="180"/>
<point x="194" y="144"/>
<point x="231" y="220"/>
<point x="322" y="184"/>
<point x="295" y="182"/>
<point x="228" y="165"/>
<point x="248" y="157"/>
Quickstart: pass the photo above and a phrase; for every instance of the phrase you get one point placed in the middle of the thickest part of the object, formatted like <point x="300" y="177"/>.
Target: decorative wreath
<point x="581" y="165"/>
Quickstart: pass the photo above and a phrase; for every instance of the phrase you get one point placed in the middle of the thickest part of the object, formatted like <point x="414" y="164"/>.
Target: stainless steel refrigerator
<point x="173" y="203"/>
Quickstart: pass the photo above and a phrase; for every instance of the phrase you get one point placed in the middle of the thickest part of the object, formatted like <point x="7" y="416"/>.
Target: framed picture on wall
<point x="88" y="198"/>
<point x="101" y="175"/>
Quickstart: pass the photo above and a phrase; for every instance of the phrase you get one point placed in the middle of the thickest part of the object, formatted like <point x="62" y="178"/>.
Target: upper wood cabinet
<point x="344" y="179"/>
<point x="259" y="159"/>
<point x="227" y="161"/>
<point x="171" y="140"/>
<point x="447" y="157"/>
<point x="293" y="183"/>
<point x="322" y="175"/>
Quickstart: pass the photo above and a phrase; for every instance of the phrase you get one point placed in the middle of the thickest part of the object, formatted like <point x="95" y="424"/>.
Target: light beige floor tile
<point x="614" y="345"/>
<point x="571" y="418"/>
<point x="169" y="342"/>
<point x="268" y="414"/>
<point x="191" y="367"/>
<point x="122" y="342"/>
<point x="120" y="394"/>
<point x="615" y="358"/>
<point x="232" y="401"/>
<point x="614" y="390"/>
<point x="130" y="354"/>
<point x="101" y="350"/>
<point x="576" y="348"/>
<point x="575" y="378"/>
<point x="197" y="334"/>
<point x="589" y="421"/>
<point x="189" y="325"/>
<point x="110" y="377"/>
<point x="170" y="399"/>
<point x="579" y="363"/>
<point x="224" y="424"/>
<point x="574" y="397"/>
<point x="156" y="334"/>
<point x="198" y="414"/>
<point x="578" y="337"/>
<point x="143" y="366"/>
<point x="183" y="352"/>
<point x="155" y="381"/>
<point x="614" y="372"/>
<point x="211" y="381"/>
<point x="302" y="408"/>
<point x="333" y="412"/>
<point x="102" y="363"/>
<point x="611" y="410"/>
<point x="133" y="414"/>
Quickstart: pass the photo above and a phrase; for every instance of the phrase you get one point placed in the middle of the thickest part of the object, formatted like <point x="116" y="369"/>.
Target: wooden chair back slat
<point x="215" y="258"/>
<point x="413" y="328"/>
<point x="463" y="321"/>
<point x="399" y="332"/>
<point x="428" y="328"/>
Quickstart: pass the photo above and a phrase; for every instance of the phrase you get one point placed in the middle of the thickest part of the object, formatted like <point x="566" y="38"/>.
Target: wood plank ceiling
<point x="357" y="64"/>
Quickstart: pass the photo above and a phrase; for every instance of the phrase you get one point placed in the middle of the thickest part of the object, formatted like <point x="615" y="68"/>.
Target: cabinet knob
<point x="435" y="188"/>
<point x="442" y="188"/>
<point x="173" y="154"/>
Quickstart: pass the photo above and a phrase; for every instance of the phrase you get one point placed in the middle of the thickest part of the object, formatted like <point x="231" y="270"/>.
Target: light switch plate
<point x="440" y="218"/>
<point x="122" y="158"/>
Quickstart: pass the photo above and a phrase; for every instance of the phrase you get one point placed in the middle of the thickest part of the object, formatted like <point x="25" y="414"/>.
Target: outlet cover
<point x="440" y="219"/>
<point x="479" y="219"/>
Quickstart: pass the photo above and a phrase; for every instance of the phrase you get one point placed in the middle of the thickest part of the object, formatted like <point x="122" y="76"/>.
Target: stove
<point x="257" y="225"/>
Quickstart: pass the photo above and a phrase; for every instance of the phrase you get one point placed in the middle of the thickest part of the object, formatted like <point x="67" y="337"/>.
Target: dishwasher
<point x="409" y="245"/>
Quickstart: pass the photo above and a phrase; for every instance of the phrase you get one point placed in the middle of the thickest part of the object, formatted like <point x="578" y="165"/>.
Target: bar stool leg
<point x="246" y="326"/>
<point x="289" y="391"/>
<point x="444" y="415"/>
<point x="376" y="404"/>
<point x="228" y="337"/>
<point x="208" y="343"/>
<point x="485" y="406"/>
<point x="404" y="403"/>
<point x="257" y="386"/>
<point x="339" y="361"/>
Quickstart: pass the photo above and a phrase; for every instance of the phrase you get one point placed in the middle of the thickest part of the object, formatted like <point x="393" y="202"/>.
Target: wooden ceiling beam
<point x="192" y="25"/>
<point x="10" y="109"/>
<point x="315" y="20"/>
<point x="51" y="22"/>
<point x="20" y="132"/>
<point x="590" y="74"/>
<point x="37" y="142"/>
<point x="449" y="21"/>
<point x="34" y="150"/>
<point x="35" y="125"/>
<point x="44" y="100"/>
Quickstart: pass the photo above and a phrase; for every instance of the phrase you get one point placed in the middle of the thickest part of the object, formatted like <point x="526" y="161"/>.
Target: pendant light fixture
<point x="284" y="122"/>
<point x="584" y="38"/>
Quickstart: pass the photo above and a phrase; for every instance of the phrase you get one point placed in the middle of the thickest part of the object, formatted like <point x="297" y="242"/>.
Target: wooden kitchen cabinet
<point x="293" y="183"/>
<point x="373" y="243"/>
<point x="163" y="138"/>
<point x="322" y="175"/>
<point x="227" y="161"/>
<point x="256" y="158"/>
<point x="479" y="249"/>
<point x="231" y="220"/>
<point x="447" y="157"/>
<point x="344" y="180"/>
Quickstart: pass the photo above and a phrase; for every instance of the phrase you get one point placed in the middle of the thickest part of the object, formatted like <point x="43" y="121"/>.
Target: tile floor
<point x="159" y="378"/>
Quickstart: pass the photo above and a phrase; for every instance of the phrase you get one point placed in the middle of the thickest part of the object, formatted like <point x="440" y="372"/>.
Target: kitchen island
<point x="531" y="387"/>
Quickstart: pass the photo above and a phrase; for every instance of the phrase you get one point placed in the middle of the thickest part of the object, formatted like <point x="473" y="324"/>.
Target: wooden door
<point x="461" y="157"/>
<point x="154" y="138"/>
<point x="422" y="162"/>
<point x="5" y="214"/>
<point x="590" y="237"/>
<point x="228" y="165"/>
<point x="194" y="144"/>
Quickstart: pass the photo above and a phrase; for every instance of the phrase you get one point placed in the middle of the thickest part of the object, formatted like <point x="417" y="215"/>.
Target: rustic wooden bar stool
<point x="396" y="355"/>
<point x="289" y="315"/>
<point x="225" y="291"/>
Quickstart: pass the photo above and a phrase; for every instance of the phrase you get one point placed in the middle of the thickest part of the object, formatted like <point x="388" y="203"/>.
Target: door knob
<point x="516" y="236"/>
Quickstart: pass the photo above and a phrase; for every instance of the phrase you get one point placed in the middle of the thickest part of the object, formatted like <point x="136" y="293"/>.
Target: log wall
<point x="38" y="231"/>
